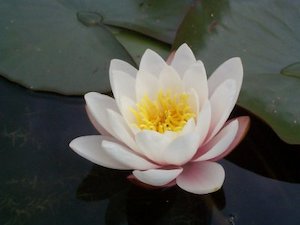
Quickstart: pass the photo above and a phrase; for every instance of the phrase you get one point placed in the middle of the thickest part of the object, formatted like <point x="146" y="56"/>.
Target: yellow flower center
<point x="167" y="113"/>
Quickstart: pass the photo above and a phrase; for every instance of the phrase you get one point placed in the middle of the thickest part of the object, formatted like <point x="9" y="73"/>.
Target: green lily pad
<point x="136" y="44"/>
<point x="292" y="70"/>
<point x="265" y="34"/>
<point x="65" y="46"/>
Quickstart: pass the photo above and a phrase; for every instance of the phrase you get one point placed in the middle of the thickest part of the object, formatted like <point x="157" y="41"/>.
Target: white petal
<point x="95" y="123"/>
<point x="188" y="127"/>
<point x="146" y="84"/>
<point x="170" y="80"/>
<point x="222" y="102"/>
<point x="180" y="150"/>
<point x="91" y="148"/>
<point x="126" y="104"/>
<point x="183" y="59"/>
<point x="194" y="101"/>
<point x="231" y="69"/>
<point x="152" y="143"/>
<point x="201" y="177"/>
<point x="121" y="130"/>
<point x="195" y="78"/>
<point x="120" y="65"/>
<point x="203" y="122"/>
<point x="125" y="156"/>
<point x="122" y="84"/>
<point x="218" y="144"/>
<point x="157" y="177"/>
<point x="152" y="63"/>
<point x="97" y="105"/>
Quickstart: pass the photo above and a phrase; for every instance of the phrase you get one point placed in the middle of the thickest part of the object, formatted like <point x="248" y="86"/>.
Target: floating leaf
<point x="65" y="46"/>
<point x="292" y="70"/>
<point x="265" y="34"/>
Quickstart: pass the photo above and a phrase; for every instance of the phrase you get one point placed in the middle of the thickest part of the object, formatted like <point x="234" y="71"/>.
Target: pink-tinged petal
<point x="146" y="84"/>
<point x="169" y="80"/>
<point x="222" y="102"/>
<point x="90" y="147"/>
<point x="152" y="143"/>
<point x="122" y="84"/>
<point x="231" y="69"/>
<point x="120" y="65"/>
<point x="180" y="150"/>
<point x="170" y="57"/>
<point x="120" y="129"/>
<point x="95" y="123"/>
<point x="97" y="105"/>
<point x="183" y="59"/>
<point x="152" y="63"/>
<point x="244" y="123"/>
<point x="157" y="177"/>
<point x="195" y="78"/>
<point x="125" y="156"/>
<point x="218" y="144"/>
<point x="201" y="177"/>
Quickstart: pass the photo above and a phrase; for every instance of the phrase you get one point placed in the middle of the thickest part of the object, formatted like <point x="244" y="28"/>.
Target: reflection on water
<point x="135" y="205"/>
<point x="43" y="182"/>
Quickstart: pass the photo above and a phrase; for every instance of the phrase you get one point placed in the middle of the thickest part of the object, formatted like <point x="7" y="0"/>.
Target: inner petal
<point x="168" y="112"/>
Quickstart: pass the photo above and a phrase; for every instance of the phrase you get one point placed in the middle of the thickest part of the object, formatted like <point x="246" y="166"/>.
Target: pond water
<point x="42" y="181"/>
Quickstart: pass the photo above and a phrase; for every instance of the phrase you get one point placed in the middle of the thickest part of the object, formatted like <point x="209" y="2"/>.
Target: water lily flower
<point x="167" y="122"/>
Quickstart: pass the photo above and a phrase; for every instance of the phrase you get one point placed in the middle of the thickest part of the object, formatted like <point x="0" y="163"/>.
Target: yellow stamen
<point x="167" y="113"/>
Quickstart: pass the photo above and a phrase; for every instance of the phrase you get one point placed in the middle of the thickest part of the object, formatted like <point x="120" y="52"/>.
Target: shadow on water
<point x="264" y="153"/>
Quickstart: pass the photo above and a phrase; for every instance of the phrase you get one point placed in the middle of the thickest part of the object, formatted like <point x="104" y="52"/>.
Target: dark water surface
<point x="43" y="182"/>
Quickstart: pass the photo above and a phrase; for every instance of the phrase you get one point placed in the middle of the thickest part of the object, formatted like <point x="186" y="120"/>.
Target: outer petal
<point x="125" y="156"/>
<point x="183" y="59"/>
<point x="201" y="177"/>
<point x="95" y="123"/>
<point x="157" y="177"/>
<point x="152" y="143"/>
<point x="97" y="105"/>
<point x="120" y="65"/>
<point x="222" y="102"/>
<point x="121" y="130"/>
<point x="244" y="122"/>
<point x="103" y="151"/>
<point x="219" y="143"/>
<point x="195" y="78"/>
<point x="152" y="63"/>
<point x="122" y="84"/>
<point x="231" y="69"/>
